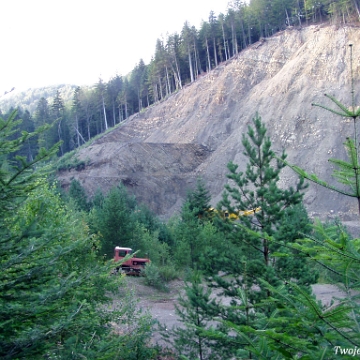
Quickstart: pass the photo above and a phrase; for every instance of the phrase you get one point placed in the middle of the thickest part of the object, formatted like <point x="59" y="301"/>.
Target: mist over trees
<point x="180" y="58"/>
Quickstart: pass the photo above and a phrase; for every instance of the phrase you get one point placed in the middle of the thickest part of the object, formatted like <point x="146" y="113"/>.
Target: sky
<point x="49" y="42"/>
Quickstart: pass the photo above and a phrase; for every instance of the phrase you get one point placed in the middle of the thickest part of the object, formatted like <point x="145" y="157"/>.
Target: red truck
<point x="133" y="266"/>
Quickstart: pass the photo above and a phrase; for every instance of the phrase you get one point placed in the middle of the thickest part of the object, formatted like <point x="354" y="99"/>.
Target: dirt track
<point x="161" y="305"/>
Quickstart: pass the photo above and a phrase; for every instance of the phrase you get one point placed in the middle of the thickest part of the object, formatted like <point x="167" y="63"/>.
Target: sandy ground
<point x="161" y="305"/>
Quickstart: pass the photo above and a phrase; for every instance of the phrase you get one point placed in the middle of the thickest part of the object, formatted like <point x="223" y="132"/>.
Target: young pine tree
<point x="190" y="340"/>
<point x="114" y="220"/>
<point x="258" y="187"/>
<point x="199" y="200"/>
<point x="248" y="261"/>
<point x="189" y="244"/>
<point x="78" y="195"/>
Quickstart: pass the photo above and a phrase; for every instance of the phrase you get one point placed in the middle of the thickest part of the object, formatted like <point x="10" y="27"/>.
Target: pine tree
<point x="249" y="262"/>
<point x="189" y="244"/>
<point x="53" y="291"/>
<point x="199" y="200"/>
<point x="78" y="194"/>
<point x="114" y="220"/>
<point x="257" y="187"/>
<point x="190" y="341"/>
<point x="77" y="115"/>
<point x="42" y="118"/>
<point x="58" y="115"/>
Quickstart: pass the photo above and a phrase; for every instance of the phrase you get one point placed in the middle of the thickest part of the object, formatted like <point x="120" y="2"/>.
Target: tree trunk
<point x="88" y="127"/>
<point x="223" y="33"/>
<point x="161" y="90"/>
<point x="243" y="32"/>
<point x="178" y="75"/>
<point x="215" y="55"/>
<point x="77" y="130"/>
<point x="103" y="104"/>
<point x="168" y="81"/>
<point x="126" y="109"/>
<point x="120" y="113"/>
<point x="114" y="113"/>
<point x="190" y="65"/>
<point x="357" y="9"/>
<point x="234" y="40"/>
<point x="208" y="54"/>
<point x="60" y="138"/>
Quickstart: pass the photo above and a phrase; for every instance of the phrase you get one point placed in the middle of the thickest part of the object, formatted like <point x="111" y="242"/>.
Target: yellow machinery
<point x="234" y="216"/>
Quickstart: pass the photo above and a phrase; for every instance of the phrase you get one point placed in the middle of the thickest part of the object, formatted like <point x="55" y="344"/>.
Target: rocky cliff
<point x="159" y="153"/>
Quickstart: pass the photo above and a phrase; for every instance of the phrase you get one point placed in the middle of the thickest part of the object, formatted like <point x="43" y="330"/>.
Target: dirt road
<point x="161" y="305"/>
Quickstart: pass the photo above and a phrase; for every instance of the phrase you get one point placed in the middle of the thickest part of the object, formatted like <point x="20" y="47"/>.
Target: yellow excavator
<point x="225" y="214"/>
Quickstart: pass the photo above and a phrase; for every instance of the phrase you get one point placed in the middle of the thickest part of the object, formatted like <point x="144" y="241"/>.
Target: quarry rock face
<point x="159" y="153"/>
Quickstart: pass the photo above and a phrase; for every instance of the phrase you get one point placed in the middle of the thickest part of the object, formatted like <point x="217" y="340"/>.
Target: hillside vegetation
<point x="179" y="59"/>
<point x="198" y="157"/>
<point x="278" y="77"/>
<point x="29" y="99"/>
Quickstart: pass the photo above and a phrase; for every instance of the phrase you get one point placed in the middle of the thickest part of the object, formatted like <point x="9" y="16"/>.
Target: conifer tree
<point x="190" y="341"/>
<point x="248" y="262"/>
<point x="53" y="292"/>
<point x="190" y="245"/>
<point x="78" y="194"/>
<point x="42" y="117"/>
<point x="199" y="199"/>
<point x="58" y="114"/>
<point x="258" y="187"/>
<point x="114" y="220"/>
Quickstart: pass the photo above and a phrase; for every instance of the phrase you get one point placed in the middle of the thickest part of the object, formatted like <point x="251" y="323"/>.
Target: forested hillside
<point x="29" y="99"/>
<point x="216" y="151"/>
<point x="179" y="59"/>
<point x="159" y="152"/>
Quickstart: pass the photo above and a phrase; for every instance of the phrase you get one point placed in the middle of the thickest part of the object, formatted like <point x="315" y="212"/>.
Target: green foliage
<point x="188" y="247"/>
<point x="149" y="243"/>
<point x="288" y="264"/>
<point x="69" y="161"/>
<point x="281" y="214"/>
<point x="161" y="270"/>
<point x="190" y="243"/>
<point x="98" y="199"/>
<point x="199" y="200"/>
<point x="333" y="230"/>
<point x="302" y="325"/>
<point x="78" y="195"/>
<point x="190" y="341"/>
<point x="168" y="272"/>
<point x="255" y="256"/>
<point x="17" y="178"/>
<point x="153" y="277"/>
<point x="54" y="294"/>
<point x="114" y="221"/>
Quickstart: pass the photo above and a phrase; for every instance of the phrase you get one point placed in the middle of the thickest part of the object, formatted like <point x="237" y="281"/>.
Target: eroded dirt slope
<point x="159" y="153"/>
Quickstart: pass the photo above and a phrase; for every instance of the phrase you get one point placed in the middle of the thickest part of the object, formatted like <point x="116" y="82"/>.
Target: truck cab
<point x="133" y="266"/>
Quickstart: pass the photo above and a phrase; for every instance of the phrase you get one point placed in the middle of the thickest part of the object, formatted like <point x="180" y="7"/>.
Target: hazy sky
<point x="46" y="42"/>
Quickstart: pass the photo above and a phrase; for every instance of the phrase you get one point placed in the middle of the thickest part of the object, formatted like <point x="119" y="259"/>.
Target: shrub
<point x="168" y="273"/>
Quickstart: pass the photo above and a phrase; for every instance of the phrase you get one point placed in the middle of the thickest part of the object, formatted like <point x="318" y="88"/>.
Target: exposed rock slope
<point x="159" y="153"/>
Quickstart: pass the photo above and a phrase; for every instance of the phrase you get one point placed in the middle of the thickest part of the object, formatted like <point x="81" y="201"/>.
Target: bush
<point x="70" y="161"/>
<point x="168" y="273"/>
<point x="152" y="276"/>
<point x="158" y="276"/>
